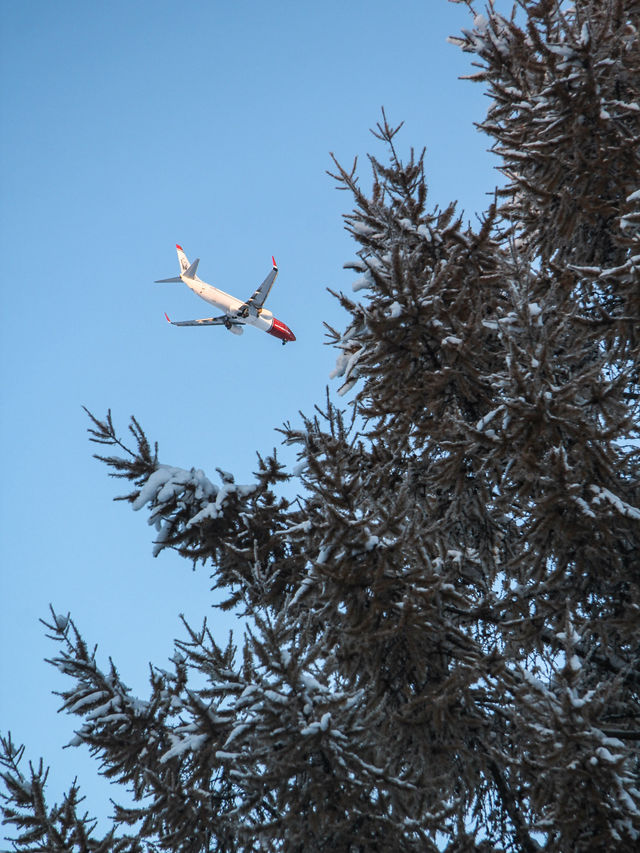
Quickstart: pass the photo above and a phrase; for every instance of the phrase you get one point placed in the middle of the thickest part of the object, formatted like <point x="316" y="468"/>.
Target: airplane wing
<point x="260" y="295"/>
<point x="207" y="321"/>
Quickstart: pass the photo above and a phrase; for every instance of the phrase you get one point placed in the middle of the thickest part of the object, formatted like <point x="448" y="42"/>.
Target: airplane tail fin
<point x="182" y="259"/>
<point x="186" y="269"/>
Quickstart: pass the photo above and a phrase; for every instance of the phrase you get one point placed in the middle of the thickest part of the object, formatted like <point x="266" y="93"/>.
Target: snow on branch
<point x="226" y="524"/>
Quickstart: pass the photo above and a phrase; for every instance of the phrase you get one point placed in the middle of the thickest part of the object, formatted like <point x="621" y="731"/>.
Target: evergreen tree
<point x="441" y="649"/>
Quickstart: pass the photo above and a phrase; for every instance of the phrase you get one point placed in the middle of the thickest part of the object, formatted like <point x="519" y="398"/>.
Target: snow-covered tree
<point x="441" y="650"/>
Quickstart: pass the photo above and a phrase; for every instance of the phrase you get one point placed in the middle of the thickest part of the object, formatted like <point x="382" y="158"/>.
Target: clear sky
<point x="128" y="127"/>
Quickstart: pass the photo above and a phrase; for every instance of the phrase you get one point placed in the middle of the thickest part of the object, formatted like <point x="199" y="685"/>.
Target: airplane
<point x="236" y="312"/>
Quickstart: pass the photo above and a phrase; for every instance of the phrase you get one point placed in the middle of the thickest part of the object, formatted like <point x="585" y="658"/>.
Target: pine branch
<point x="137" y="465"/>
<point x="56" y="829"/>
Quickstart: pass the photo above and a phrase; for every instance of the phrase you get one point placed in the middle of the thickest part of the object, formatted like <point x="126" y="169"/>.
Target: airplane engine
<point x="236" y="330"/>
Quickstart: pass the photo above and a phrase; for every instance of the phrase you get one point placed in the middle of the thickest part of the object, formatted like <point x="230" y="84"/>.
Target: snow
<point x="89" y="699"/>
<point x="214" y="508"/>
<point x="584" y="506"/>
<point x="429" y="235"/>
<point x="363" y="229"/>
<point x="211" y="510"/>
<point x="310" y="682"/>
<point x="623" y="508"/>
<point x="344" y="367"/>
<point x="103" y="710"/>
<point x="304" y="586"/>
<point x="395" y="309"/>
<point x="237" y="731"/>
<point x="323" y="553"/>
<point x="604" y="755"/>
<point x="303" y="527"/>
<point x="317" y="726"/>
<point x="61" y="621"/>
<point x="561" y="50"/>
<point x="341" y="365"/>
<point x="233" y="489"/>
<point x="361" y="283"/>
<point x="193" y="743"/>
<point x="379" y="263"/>
<point x="626" y="105"/>
<point x="277" y="698"/>
<point x="579" y="701"/>
<point x="488" y="417"/>
<point x="166" y="482"/>
<point x="584" y="34"/>
<point x="534" y="309"/>
<point x="161" y="538"/>
<point x="480" y="23"/>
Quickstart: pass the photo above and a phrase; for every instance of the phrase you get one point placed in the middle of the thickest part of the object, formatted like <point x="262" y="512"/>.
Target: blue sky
<point x="128" y="127"/>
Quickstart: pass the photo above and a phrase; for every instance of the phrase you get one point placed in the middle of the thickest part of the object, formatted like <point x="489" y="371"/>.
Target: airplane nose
<point x="280" y="330"/>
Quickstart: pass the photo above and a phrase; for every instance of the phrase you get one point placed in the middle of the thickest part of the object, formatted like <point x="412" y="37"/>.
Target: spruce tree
<point x="441" y="647"/>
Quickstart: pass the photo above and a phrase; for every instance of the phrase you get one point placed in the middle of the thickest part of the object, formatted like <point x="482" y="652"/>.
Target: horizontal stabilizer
<point x="191" y="271"/>
<point x="167" y="280"/>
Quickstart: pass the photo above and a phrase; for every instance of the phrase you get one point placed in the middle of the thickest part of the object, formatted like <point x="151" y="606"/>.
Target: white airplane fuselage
<point x="230" y="305"/>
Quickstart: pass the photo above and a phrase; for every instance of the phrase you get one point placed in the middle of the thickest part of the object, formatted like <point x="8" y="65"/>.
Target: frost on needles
<point x="441" y="643"/>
